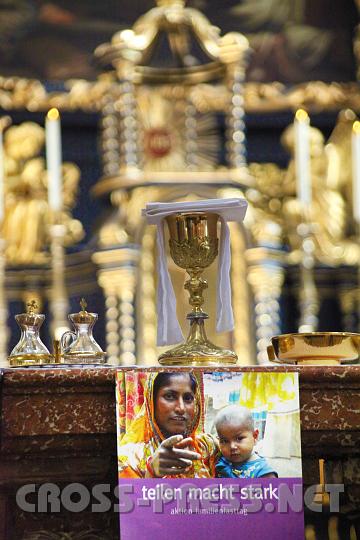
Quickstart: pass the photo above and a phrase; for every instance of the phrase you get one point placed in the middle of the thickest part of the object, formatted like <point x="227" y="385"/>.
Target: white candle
<point x="356" y="170"/>
<point x="53" y="159"/>
<point x="2" y="176"/>
<point x="302" y="157"/>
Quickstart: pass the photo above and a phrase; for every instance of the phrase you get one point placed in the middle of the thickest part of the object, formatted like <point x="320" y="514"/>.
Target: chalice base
<point x="205" y="356"/>
<point x="198" y="350"/>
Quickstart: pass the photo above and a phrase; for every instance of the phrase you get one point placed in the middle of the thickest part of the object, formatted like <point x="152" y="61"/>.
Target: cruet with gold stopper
<point x="30" y="350"/>
<point x="80" y="347"/>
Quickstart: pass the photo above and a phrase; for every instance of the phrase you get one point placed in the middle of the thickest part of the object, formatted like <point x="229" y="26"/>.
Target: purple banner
<point x="209" y="509"/>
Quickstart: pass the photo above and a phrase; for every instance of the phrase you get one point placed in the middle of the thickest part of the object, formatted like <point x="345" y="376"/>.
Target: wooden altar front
<point x="58" y="425"/>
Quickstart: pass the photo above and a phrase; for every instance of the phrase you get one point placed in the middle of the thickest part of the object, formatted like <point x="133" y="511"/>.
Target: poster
<point x="208" y="453"/>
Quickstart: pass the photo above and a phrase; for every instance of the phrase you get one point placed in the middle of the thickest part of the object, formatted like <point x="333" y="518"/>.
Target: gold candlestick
<point x="194" y="246"/>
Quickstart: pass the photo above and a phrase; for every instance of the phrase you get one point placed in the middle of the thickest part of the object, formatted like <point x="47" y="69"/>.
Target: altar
<point x="103" y="120"/>
<point x="58" y="426"/>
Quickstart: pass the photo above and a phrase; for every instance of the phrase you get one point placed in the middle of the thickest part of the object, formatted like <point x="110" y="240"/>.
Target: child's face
<point x="236" y="441"/>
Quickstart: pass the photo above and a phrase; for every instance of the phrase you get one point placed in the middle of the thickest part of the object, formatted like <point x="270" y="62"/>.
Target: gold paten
<point x="316" y="348"/>
<point x="194" y="246"/>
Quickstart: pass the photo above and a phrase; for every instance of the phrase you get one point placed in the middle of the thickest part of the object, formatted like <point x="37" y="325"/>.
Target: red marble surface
<point x="53" y="409"/>
<point x="58" y="425"/>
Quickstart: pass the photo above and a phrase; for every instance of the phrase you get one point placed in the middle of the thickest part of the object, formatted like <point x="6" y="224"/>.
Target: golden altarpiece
<point x="161" y="142"/>
<point x="172" y="127"/>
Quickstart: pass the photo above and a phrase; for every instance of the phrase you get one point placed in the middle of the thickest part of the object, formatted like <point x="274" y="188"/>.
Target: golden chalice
<point x="194" y="246"/>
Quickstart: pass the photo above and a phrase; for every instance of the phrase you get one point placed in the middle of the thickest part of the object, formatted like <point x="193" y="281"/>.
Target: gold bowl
<point x="315" y="348"/>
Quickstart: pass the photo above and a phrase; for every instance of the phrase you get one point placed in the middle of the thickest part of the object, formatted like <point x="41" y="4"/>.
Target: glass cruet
<point x="30" y="350"/>
<point x="80" y="347"/>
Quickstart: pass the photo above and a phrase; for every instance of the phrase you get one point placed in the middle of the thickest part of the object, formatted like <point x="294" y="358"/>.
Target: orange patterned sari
<point x="139" y="436"/>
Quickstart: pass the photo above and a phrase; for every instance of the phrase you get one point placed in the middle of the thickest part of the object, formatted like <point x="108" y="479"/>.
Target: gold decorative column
<point x="117" y="278"/>
<point x="235" y="120"/>
<point x="110" y="133"/>
<point x="161" y="142"/>
<point x="129" y="140"/>
<point x="146" y="300"/>
<point x="266" y="276"/>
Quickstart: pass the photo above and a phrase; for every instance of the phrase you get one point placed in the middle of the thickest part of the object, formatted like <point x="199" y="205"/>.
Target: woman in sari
<point x="163" y="440"/>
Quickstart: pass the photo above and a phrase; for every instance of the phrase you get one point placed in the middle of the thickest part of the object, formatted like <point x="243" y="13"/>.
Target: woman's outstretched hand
<point x="173" y="456"/>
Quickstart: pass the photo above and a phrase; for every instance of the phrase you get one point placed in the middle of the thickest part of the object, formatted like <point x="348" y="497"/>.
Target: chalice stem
<point x="195" y="286"/>
<point x="197" y="334"/>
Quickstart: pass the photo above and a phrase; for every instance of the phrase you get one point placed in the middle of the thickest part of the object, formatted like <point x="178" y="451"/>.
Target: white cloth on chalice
<point x="169" y="330"/>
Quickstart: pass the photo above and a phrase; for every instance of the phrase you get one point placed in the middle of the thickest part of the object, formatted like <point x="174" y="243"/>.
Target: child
<point x="237" y="437"/>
